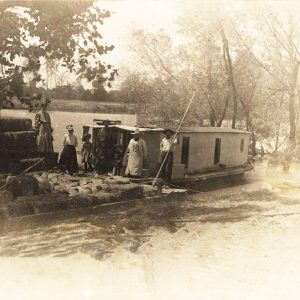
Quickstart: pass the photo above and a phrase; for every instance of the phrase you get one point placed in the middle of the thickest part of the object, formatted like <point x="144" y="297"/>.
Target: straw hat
<point x="106" y="122"/>
<point x="168" y="130"/>
<point x="136" y="132"/>
<point x="44" y="102"/>
<point x="70" y="127"/>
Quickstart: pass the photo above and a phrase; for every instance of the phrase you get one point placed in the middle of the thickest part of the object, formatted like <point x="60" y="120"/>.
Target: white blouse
<point x="70" y="139"/>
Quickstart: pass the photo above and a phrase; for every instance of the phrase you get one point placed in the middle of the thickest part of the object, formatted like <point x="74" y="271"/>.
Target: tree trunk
<point x="247" y="120"/>
<point x="277" y="137"/>
<point x="293" y="54"/>
<point x="253" y="145"/>
<point x="229" y="70"/>
<point x="212" y="116"/>
<point x="253" y="136"/>
<point x="212" y="119"/>
<point x="292" y="96"/>
<point x="292" y="118"/>
<point x="219" y="123"/>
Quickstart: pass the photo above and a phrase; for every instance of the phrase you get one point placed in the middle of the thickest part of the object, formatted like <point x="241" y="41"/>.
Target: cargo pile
<point x="18" y="146"/>
<point x="48" y="192"/>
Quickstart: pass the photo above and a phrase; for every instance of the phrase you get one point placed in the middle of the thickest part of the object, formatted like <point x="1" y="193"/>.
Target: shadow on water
<point x="100" y="233"/>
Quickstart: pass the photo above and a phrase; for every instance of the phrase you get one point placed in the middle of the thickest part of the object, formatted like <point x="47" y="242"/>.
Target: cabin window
<point x="217" y="151"/>
<point x="242" y="144"/>
<point x="185" y="151"/>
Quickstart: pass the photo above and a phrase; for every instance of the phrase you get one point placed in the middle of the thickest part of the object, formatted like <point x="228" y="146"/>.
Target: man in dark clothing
<point x="166" y="148"/>
<point x="103" y="157"/>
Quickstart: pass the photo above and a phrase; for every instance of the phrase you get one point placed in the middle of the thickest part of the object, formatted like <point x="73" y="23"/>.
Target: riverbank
<point x="67" y="105"/>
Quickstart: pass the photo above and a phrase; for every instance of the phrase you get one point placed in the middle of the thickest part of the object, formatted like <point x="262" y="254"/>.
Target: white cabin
<point x="198" y="150"/>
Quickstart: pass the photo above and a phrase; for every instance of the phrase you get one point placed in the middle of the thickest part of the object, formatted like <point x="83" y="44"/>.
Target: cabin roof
<point x="126" y="127"/>
<point x="141" y="129"/>
<point x="211" y="130"/>
<point x="195" y="129"/>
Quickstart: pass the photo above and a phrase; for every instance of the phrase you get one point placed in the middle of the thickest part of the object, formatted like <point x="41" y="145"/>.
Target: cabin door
<point x="125" y="137"/>
<point x="217" y="151"/>
<point x="185" y="151"/>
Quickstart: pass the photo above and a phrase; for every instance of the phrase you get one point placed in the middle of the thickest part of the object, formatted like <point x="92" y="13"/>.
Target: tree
<point x="32" y="31"/>
<point x="280" y="61"/>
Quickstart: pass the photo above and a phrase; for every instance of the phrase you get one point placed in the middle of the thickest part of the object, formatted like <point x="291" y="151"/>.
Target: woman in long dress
<point x="135" y="156"/>
<point x="68" y="157"/>
<point x="44" y="131"/>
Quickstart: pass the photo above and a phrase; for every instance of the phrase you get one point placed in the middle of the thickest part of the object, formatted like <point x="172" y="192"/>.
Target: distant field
<point x="91" y="106"/>
<point x="86" y="106"/>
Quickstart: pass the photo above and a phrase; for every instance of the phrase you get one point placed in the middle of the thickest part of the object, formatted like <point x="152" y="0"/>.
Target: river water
<point x="60" y="119"/>
<point x="235" y="243"/>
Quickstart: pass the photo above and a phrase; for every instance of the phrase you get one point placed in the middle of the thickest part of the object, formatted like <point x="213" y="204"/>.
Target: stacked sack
<point x="17" y="142"/>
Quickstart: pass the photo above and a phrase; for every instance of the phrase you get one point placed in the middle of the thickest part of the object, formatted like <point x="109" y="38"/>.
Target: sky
<point x="160" y="14"/>
<point x="127" y="15"/>
<point x="135" y="14"/>
<point x="152" y="15"/>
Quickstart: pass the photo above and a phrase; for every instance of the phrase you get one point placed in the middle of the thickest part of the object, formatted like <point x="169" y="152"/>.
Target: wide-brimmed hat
<point x="136" y="132"/>
<point x="106" y="122"/>
<point x="70" y="127"/>
<point x="44" y="102"/>
<point x="86" y="136"/>
<point x="169" y="130"/>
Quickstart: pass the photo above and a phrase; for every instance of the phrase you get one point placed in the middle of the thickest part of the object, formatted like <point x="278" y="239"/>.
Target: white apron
<point x="136" y="152"/>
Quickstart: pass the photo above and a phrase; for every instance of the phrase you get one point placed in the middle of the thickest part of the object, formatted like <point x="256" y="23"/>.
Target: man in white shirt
<point x="166" y="149"/>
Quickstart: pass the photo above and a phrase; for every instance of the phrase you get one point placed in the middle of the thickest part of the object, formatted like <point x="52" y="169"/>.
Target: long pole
<point x="174" y="138"/>
<point x="29" y="168"/>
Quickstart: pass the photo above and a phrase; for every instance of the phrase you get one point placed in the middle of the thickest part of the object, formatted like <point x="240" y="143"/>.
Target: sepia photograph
<point x="149" y="149"/>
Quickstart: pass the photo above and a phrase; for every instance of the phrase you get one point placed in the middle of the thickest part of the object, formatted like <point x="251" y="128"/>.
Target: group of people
<point x="102" y="157"/>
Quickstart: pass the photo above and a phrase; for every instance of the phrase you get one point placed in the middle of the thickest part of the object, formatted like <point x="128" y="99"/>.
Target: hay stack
<point x="12" y="124"/>
<point x="17" y="155"/>
<point x="18" y="140"/>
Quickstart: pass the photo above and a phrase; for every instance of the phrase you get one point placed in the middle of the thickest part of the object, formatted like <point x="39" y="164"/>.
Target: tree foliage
<point x="243" y="66"/>
<point x="67" y="32"/>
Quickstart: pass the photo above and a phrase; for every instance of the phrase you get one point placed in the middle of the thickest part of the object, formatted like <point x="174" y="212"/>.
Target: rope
<point x="174" y="137"/>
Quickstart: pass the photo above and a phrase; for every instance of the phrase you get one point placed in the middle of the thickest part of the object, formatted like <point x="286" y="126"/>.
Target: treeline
<point x="72" y="92"/>
<point x="242" y="67"/>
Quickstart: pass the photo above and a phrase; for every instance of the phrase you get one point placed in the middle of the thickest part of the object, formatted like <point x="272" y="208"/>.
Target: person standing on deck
<point x="68" y="157"/>
<point x="102" y="147"/>
<point x="166" y="149"/>
<point x="87" y="153"/>
<point x="44" y="130"/>
<point x="117" y="160"/>
<point x="135" y="156"/>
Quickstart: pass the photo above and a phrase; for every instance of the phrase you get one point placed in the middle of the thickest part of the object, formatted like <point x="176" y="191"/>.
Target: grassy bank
<point x="87" y="106"/>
